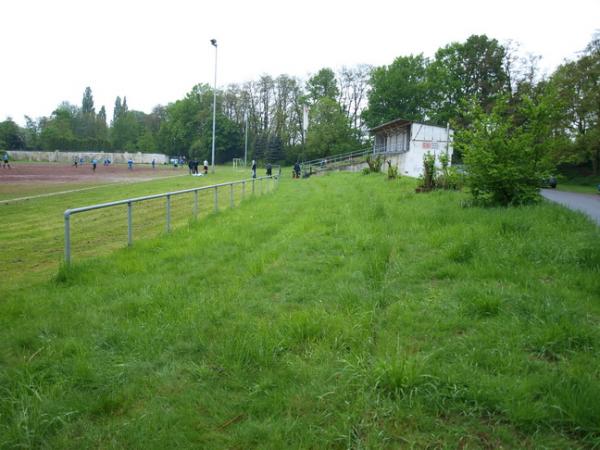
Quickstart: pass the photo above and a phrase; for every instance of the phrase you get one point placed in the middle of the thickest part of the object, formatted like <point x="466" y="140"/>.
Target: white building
<point x="405" y="142"/>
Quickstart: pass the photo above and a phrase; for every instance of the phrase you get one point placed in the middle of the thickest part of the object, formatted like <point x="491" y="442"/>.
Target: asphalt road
<point x="588" y="204"/>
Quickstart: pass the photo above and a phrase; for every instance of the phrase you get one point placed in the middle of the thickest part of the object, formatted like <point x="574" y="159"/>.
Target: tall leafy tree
<point x="32" y="133"/>
<point x="87" y="103"/>
<point x="117" y="110"/>
<point x="461" y="71"/>
<point x="58" y="130"/>
<point x="86" y="126"/>
<point x="329" y="132"/>
<point x="102" y="115"/>
<point x="575" y="87"/>
<point x="187" y="128"/>
<point x="322" y="84"/>
<point x="354" y="85"/>
<point x="399" y="90"/>
<point x="101" y="127"/>
<point x="11" y="136"/>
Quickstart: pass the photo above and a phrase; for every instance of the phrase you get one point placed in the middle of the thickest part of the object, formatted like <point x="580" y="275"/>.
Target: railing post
<point x="129" y="224"/>
<point x="168" y="213"/>
<point x="231" y="193"/>
<point x="196" y="205"/>
<point x="243" y="189"/>
<point x="67" y="238"/>
<point x="216" y="199"/>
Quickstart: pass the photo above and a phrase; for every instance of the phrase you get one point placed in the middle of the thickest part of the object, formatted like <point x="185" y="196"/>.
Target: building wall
<point x="69" y="157"/>
<point x="398" y="141"/>
<point x="422" y="139"/>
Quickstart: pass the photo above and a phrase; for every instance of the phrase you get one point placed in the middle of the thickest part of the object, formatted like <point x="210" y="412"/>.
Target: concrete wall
<point x="407" y="145"/>
<point x="423" y="139"/>
<point x="69" y="157"/>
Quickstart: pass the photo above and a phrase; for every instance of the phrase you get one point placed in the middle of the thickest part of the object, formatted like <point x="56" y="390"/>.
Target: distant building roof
<point x="398" y="123"/>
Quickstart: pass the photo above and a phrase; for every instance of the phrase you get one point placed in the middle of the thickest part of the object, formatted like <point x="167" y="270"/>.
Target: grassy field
<point x="573" y="181"/>
<point x="342" y="311"/>
<point x="582" y="188"/>
<point x="32" y="231"/>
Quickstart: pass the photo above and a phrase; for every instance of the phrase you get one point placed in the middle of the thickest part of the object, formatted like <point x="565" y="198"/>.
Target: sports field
<point x="36" y="195"/>
<point x="25" y="179"/>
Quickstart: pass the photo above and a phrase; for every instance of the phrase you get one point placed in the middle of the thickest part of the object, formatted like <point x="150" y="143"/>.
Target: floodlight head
<point x="213" y="42"/>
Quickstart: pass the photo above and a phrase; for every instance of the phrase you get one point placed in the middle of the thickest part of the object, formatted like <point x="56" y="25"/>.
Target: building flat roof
<point x="391" y="124"/>
<point x="400" y="123"/>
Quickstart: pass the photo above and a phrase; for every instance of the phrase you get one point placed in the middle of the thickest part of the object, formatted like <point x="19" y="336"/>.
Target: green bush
<point x="445" y="177"/>
<point x="374" y="163"/>
<point x="448" y="177"/>
<point x="427" y="181"/>
<point x="505" y="152"/>
<point x="392" y="170"/>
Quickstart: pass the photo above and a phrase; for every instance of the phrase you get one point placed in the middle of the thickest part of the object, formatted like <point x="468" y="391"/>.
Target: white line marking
<point x="50" y="194"/>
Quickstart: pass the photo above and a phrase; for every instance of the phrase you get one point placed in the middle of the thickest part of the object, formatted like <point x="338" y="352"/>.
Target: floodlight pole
<point x="246" y="141"/>
<point x="214" y="43"/>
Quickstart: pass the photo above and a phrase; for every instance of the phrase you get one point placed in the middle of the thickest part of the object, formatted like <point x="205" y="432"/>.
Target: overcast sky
<point x="153" y="52"/>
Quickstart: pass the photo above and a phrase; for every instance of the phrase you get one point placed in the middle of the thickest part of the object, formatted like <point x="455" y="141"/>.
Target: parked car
<point x="550" y="182"/>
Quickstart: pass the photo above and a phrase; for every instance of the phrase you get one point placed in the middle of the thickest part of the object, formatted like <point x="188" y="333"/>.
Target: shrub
<point x="392" y="170"/>
<point x="427" y="180"/>
<point x="448" y="177"/>
<point x="445" y="177"/>
<point x="374" y="163"/>
<point x="505" y="152"/>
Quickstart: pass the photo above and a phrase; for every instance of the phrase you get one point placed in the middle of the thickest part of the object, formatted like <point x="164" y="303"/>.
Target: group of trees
<point x="574" y="93"/>
<point x="71" y="127"/>
<point x="270" y="109"/>
<point x="418" y="88"/>
<point x="462" y="81"/>
<point x="531" y="128"/>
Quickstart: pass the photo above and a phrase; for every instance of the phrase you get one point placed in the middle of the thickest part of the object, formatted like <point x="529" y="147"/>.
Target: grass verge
<point x="344" y="311"/>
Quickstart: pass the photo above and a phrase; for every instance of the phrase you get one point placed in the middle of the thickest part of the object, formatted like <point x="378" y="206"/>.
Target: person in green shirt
<point x="5" y="161"/>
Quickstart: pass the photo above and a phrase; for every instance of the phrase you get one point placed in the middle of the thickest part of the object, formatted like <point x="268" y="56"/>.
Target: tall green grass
<point x="32" y="230"/>
<point x="343" y="311"/>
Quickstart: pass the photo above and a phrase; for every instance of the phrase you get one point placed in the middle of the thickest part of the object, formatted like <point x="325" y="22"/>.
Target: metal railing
<point x="271" y="183"/>
<point x="344" y="159"/>
<point x="350" y="156"/>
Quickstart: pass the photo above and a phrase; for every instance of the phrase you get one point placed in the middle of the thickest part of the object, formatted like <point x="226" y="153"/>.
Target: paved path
<point x="588" y="204"/>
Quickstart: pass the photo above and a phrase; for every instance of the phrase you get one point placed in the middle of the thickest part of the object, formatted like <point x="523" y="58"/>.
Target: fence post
<point x="243" y="189"/>
<point x="261" y="186"/>
<point x="67" y="238"/>
<point x="216" y="199"/>
<point x="231" y="193"/>
<point x="253" y="186"/>
<point x="129" y="223"/>
<point x="196" y="205"/>
<point x="168" y="213"/>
